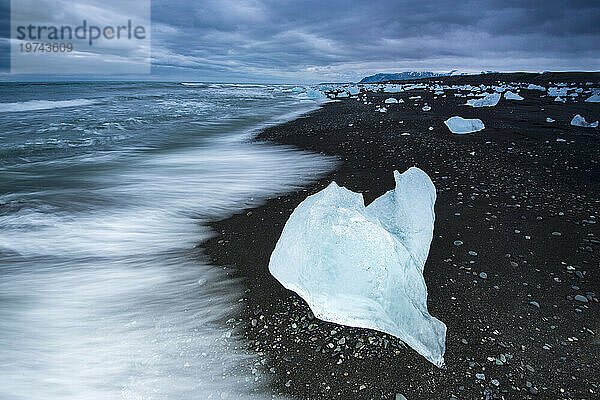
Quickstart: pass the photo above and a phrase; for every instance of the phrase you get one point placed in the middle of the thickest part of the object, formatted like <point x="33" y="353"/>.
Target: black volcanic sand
<point x="525" y="208"/>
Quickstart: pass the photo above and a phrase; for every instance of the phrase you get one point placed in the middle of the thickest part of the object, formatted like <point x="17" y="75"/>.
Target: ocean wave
<point x="36" y="105"/>
<point x="200" y="84"/>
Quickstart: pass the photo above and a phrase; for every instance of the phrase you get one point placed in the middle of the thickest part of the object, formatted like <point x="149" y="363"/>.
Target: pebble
<point x="533" y="391"/>
<point x="581" y="298"/>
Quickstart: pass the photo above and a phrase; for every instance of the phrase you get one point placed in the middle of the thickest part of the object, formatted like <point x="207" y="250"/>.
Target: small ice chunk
<point x="536" y="87"/>
<point x="363" y="266"/>
<point x="490" y="100"/>
<point x="578" y="120"/>
<point x="390" y="100"/>
<point x="561" y="99"/>
<point x="557" y="91"/>
<point x="461" y="125"/>
<point x="393" y="88"/>
<point x="314" y="94"/>
<point x="381" y="109"/>
<point x="549" y="120"/>
<point x="593" y="99"/>
<point x="508" y="95"/>
<point x="426" y="108"/>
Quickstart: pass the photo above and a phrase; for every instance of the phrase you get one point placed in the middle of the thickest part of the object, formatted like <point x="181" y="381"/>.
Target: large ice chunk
<point x="461" y="126"/>
<point x="489" y="100"/>
<point x="363" y="266"/>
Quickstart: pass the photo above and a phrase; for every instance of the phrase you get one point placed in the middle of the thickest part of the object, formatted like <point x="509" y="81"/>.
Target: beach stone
<point x="533" y="391"/>
<point x="581" y="298"/>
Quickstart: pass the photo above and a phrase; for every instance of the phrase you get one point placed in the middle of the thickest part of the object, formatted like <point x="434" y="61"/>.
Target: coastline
<point x="513" y="187"/>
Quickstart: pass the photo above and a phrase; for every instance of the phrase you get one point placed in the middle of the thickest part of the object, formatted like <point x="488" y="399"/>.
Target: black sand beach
<point x="516" y="239"/>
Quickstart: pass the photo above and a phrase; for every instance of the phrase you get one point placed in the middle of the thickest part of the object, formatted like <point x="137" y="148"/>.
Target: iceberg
<point x="460" y="125"/>
<point x="512" y="96"/>
<point x="363" y="266"/>
<point x="490" y="100"/>
<point x="578" y="120"/>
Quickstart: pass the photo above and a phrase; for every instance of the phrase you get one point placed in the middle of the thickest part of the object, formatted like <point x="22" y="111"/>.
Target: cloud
<point x="274" y="40"/>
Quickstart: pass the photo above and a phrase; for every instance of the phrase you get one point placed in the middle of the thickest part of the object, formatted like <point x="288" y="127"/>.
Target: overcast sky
<point x="321" y="40"/>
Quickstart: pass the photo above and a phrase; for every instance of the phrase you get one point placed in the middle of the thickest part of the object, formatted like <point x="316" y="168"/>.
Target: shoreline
<point x="513" y="187"/>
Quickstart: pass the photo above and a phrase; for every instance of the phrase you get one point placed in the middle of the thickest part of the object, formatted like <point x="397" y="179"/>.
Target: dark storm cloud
<point x="342" y="38"/>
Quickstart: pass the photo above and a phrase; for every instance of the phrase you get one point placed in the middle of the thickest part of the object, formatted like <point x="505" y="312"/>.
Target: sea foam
<point x="35" y="105"/>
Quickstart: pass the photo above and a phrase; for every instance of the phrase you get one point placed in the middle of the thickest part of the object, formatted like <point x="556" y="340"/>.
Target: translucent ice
<point x="363" y="266"/>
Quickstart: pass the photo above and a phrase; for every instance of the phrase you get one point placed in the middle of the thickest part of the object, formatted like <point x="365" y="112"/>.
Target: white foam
<point x="36" y="105"/>
<point x="101" y="280"/>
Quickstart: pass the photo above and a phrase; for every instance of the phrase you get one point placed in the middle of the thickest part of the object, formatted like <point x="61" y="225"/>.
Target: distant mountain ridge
<point x="399" y="76"/>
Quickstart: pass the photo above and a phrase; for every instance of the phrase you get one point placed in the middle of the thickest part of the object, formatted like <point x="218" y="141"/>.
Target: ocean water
<point x="105" y="189"/>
